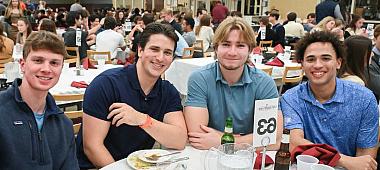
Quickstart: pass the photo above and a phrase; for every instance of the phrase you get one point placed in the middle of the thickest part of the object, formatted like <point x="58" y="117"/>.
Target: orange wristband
<point x="148" y="122"/>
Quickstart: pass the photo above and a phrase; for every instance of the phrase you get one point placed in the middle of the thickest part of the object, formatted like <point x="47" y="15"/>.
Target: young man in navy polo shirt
<point x="329" y="110"/>
<point x="35" y="134"/>
<point x="128" y="109"/>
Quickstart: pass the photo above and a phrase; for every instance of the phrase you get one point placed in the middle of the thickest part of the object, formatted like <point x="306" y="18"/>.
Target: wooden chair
<point x="72" y="58"/>
<point x="188" y="52"/>
<point x="293" y="79"/>
<point x="76" y="117"/>
<point x="68" y="100"/>
<point x="91" y="55"/>
<point x="265" y="43"/>
<point x="198" y="45"/>
<point x="268" y="70"/>
<point x="3" y="62"/>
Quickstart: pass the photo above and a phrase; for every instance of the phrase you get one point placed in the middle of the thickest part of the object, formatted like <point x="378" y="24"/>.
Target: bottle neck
<point x="285" y="142"/>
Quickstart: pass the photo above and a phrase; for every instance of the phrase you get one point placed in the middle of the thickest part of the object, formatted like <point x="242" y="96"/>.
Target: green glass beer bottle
<point x="228" y="137"/>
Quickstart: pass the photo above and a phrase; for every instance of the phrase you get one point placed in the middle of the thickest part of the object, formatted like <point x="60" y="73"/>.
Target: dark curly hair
<point x="324" y="37"/>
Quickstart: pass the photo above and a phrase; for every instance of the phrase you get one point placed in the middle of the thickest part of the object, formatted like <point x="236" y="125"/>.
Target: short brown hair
<point x="376" y="31"/>
<point x="44" y="40"/>
<point x="235" y="23"/>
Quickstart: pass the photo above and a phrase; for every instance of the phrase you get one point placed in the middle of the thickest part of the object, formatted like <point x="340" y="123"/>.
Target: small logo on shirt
<point x="18" y="122"/>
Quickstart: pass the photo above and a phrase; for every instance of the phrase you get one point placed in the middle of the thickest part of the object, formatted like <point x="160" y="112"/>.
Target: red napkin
<point x="278" y="48"/>
<point x="326" y="154"/>
<point x="79" y="84"/>
<point x="275" y="62"/>
<point x="257" y="50"/>
<point x="87" y="64"/>
<point x="268" y="161"/>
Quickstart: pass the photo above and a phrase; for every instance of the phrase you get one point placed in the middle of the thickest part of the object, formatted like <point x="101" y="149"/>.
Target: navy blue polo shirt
<point x="121" y="85"/>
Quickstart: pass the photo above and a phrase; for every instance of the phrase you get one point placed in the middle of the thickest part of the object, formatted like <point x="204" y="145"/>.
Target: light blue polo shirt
<point x="208" y="89"/>
<point x="349" y="120"/>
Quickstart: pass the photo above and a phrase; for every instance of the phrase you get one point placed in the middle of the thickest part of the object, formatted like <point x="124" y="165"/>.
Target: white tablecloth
<point x="180" y="70"/>
<point x="277" y="72"/>
<point x="69" y="75"/>
<point x="195" y="162"/>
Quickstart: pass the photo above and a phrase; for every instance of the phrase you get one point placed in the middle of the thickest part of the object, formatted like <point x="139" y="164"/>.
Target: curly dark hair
<point x="320" y="36"/>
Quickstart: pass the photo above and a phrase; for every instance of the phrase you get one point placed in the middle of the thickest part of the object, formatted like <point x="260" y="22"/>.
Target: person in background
<point x="167" y="15"/>
<point x="74" y="20"/>
<point x="355" y="27"/>
<point x="2" y="7"/>
<point x="24" y="30"/>
<point x="76" y="6"/>
<point x="339" y="29"/>
<point x="326" y="24"/>
<point x="188" y="32"/>
<point x="109" y="39"/>
<point x="36" y="134"/>
<point x="292" y="28"/>
<point x="279" y="36"/>
<point x="218" y="90"/>
<point x="310" y="22"/>
<point x="95" y="22"/>
<point x="372" y="71"/>
<point x="128" y="109"/>
<point x="218" y="13"/>
<point x="205" y="32"/>
<point x="200" y="14"/>
<point x="328" y="8"/>
<point x="120" y="18"/>
<point x="136" y="12"/>
<point x="47" y="25"/>
<point x="12" y="14"/>
<point x="269" y="33"/>
<point x="236" y="14"/>
<point x="328" y="110"/>
<point x="133" y="54"/>
<point x="359" y="48"/>
<point x="6" y="45"/>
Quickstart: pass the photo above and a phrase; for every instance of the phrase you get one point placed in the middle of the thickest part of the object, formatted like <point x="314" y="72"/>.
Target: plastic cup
<point x="321" y="167"/>
<point x="304" y="162"/>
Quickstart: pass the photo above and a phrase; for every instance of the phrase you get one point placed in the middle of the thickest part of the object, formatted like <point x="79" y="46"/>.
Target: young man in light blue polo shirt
<point x="228" y="87"/>
<point x="329" y="110"/>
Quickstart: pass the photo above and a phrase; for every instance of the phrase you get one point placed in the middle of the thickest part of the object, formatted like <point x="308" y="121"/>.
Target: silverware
<point x="155" y="157"/>
<point x="173" y="161"/>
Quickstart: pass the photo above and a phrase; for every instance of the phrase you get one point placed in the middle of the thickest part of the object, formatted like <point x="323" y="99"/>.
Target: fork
<point x="155" y="157"/>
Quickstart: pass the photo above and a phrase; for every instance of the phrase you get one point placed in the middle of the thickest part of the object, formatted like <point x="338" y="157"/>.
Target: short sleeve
<point x="196" y="91"/>
<point x="292" y="119"/>
<point x="99" y="96"/>
<point x="121" y="42"/>
<point x="369" y="126"/>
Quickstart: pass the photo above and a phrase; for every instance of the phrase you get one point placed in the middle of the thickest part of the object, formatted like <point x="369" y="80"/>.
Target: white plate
<point x="142" y="156"/>
<point x="134" y="162"/>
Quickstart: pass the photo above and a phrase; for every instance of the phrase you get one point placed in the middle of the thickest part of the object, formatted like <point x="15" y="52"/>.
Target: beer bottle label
<point x="228" y="130"/>
<point x="285" y="138"/>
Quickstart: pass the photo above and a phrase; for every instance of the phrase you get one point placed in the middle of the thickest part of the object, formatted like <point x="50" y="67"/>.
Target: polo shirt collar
<point x="245" y="78"/>
<point x="51" y="106"/>
<point x="338" y="96"/>
<point x="135" y="84"/>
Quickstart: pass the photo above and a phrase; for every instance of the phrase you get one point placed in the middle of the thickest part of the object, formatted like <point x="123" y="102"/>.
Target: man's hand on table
<point x="206" y="139"/>
<point x="123" y="113"/>
<point x="365" y="162"/>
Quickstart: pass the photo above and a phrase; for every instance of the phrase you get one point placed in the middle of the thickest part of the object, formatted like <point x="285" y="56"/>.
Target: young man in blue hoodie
<point x="34" y="132"/>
